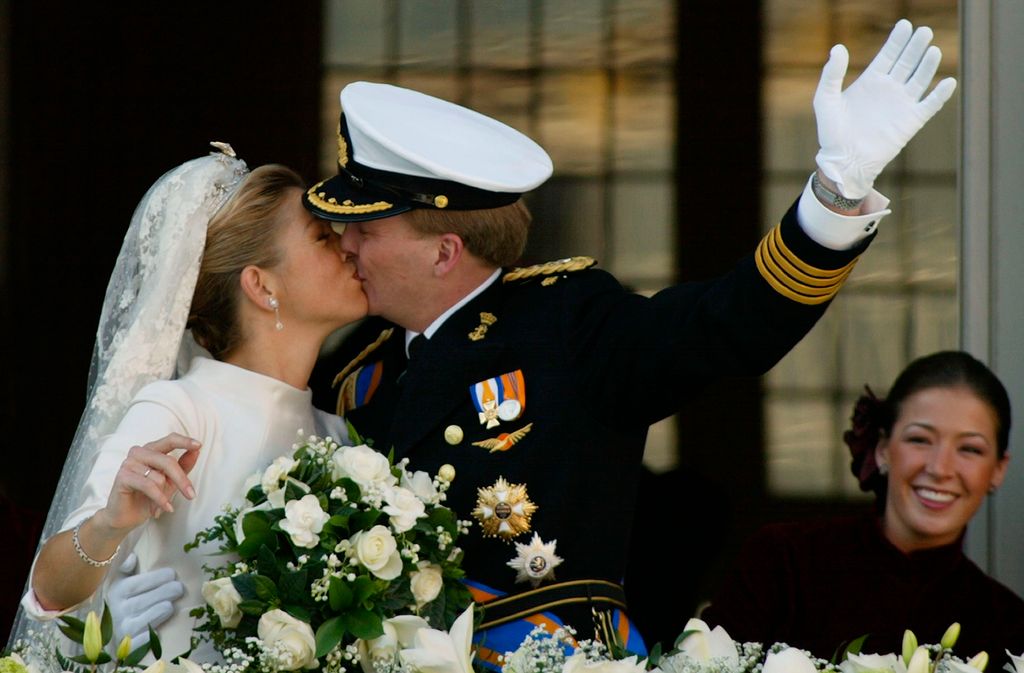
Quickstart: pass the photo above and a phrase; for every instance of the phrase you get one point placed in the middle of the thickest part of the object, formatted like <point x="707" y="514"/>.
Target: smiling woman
<point x="931" y="451"/>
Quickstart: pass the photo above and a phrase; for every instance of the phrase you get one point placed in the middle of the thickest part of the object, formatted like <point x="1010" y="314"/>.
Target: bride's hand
<point x="148" y="479"/>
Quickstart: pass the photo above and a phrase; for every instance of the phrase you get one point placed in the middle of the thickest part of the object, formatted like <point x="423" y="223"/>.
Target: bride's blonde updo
<point x="242" y="233"/>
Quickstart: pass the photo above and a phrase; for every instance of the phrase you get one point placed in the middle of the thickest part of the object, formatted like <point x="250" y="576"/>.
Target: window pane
<point x="572" y="33"/>
<point x="355" y="32"/>
<point x="873" y="329"/>
<point x="501" y="34"/>
<point x="568" y="220"/>
<point x="796" y="33"/>
<point x="642" y="250"/>
<point x="573" y="118"/>
<point x="796" y="463"/>
<point x="505" y="96"/>
<point x="644" y="33"/>
<point x="791" y="140"/>
<point x="427" y="32"/>
<point x="643" y="136"/>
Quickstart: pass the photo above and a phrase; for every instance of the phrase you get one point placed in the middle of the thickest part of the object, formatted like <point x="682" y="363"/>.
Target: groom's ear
<point x="449" y="251"/>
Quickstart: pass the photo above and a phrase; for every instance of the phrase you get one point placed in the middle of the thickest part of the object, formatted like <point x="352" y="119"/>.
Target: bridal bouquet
<point x="700" y="649"/>
<point x="332" y="544"/>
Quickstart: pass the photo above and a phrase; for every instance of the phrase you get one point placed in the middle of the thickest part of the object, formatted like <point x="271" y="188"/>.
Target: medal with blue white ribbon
<point x="499" y="398"/>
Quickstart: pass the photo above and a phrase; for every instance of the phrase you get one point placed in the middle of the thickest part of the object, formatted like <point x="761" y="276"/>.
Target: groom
<point x="538" y="385"/>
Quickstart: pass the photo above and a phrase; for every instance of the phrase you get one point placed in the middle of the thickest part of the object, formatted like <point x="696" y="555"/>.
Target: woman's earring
<point x="992" y="489"/>
<point x="276" y="305"/>
<point x="883" y="469"/>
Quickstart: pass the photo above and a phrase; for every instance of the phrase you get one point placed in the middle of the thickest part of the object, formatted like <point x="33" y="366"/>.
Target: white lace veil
<point x="141" y="335"/>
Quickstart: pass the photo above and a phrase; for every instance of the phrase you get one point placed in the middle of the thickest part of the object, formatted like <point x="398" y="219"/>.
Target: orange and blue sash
<point x="496" y="641"/>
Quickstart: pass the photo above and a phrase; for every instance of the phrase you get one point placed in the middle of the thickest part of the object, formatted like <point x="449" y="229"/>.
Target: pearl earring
<point x="276" y="305"/>
<point x="883" y="469"/>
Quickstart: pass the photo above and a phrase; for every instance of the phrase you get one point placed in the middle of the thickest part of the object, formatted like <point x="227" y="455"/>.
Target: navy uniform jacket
<point x="600" y="364"/>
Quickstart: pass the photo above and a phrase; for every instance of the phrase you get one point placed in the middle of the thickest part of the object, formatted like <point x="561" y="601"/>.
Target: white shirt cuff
<point x="835" y="231"/>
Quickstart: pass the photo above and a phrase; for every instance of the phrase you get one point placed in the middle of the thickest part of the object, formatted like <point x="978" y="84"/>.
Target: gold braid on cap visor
<point x="792" y="277"/>
<point x="346" y="207"/>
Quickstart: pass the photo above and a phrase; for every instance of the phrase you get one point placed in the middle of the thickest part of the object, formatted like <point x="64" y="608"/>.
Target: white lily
<point x="872" y="663"/>
<point x="437" y="651"/>
<point x="1017" y="665"/>
<point x="707" y="643"/>
<point x="399" y="632"/>
<point x="920" y="662"/>
<point x="790" y="660"/>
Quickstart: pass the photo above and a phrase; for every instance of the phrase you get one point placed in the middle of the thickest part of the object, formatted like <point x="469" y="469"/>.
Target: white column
<point x="992" y="250"/>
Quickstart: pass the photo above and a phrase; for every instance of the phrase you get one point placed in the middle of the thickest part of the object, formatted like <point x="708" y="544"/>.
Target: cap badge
<point x="480" y="331"/>
<point x="441" y="201"/>
<point x="502" y="397"/>
<point x="504" y="510"/>
<point x="505" y="440"/>
<point x="535" y="562"/>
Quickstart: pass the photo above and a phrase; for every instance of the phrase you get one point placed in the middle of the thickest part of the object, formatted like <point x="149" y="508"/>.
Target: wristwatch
<point x="831" y="198"/>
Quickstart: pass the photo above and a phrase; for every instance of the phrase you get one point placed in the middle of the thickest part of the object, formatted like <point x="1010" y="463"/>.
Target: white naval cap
<point x="400" y="149"/>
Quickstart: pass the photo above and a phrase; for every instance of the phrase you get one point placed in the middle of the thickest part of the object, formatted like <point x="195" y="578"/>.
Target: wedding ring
<point x="146" y="473"/>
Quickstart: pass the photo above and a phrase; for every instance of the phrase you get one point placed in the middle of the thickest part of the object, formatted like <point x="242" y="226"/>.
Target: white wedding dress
<point x="244" y="420"/>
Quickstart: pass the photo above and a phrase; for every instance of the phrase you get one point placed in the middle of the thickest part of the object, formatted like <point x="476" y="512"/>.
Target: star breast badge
<point x="504" y="510"/>
<point x="535" y="562"/>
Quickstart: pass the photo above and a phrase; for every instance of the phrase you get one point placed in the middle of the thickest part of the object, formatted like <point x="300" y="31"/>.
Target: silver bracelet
<point x="832" y="198"/>
<point x="85" y="557"/>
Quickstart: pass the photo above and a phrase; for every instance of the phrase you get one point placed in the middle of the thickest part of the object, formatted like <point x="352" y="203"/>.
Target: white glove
<point x="138" y="601"/>
<point x="862" y="129"/>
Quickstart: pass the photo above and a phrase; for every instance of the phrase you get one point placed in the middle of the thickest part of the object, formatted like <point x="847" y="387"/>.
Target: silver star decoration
<point x="535" y="562"/>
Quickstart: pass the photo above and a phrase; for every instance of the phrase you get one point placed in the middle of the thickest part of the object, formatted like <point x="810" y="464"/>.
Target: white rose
<point x="224" y="599"/>
<point x="421" y="484"/>
<point x="377" y="550"/>
<point x="426" y="582"/>
<point x="292" y="638"/>
<point x="362" y="465"/>
<point x="403" y="507"/>
<point x="578" y="663"/>
<point x="304" y="519"/>
<point x="399" y="632"/>
<point x="790" y="660"/>
<point x="706" y="644"/>
<point x="275" y="473"/>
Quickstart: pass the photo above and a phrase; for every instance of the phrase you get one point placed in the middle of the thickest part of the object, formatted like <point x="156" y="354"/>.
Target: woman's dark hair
<point x="874" y="417"/>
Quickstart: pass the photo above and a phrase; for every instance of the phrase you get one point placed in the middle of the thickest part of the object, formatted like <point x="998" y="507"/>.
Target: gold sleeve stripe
<point x="346" y="207"/>
<point x="384" y="336"/>
<point x="792" y="277"/>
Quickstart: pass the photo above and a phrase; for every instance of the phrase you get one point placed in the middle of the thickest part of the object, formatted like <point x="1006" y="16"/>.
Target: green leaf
<point x="154" y="644"/>
<point x="683" y="636"/>
<point x="353" y="434"/>
<point x="654" y="655"/>
<point x="136" y="655"/>
<point x="292" y="586"/>
<point x="328" y="635"/>
<point x="364" y="624"/>
<point x="256" y="495"/>
<point x="364" y="520"/>
<point x="266" y="590"/>
<point x="853" y="648"/>
<point x="266" y="564"/>
<point x="75" y="623"/>
<point x="299" y="612"/>
<point x="106" y="625"/>
<point x="258" y="532"/>
<point x="74" y="633"/>
<point x="245" y="585"/>
<point x="363" y="588"/>
<point x="339" y="594"/>
<point x="293" y="491"/>
<point x="252" y="607"/>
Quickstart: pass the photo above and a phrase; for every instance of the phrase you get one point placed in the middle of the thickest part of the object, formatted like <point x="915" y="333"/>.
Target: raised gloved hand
<point x="863" y="128"/>
<point x="138" y="601"/>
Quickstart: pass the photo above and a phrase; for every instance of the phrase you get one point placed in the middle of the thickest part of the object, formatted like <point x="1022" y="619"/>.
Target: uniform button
<point x="453" y="434"/>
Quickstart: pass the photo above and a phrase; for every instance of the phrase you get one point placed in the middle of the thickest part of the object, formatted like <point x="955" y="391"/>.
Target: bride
<point x="229" y="260"/>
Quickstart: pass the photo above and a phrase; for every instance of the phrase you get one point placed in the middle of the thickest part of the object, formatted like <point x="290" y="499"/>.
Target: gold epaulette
<point x="384" y="336"/>
<point x="549" y="268"/>
<point x="794" y="278"/>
